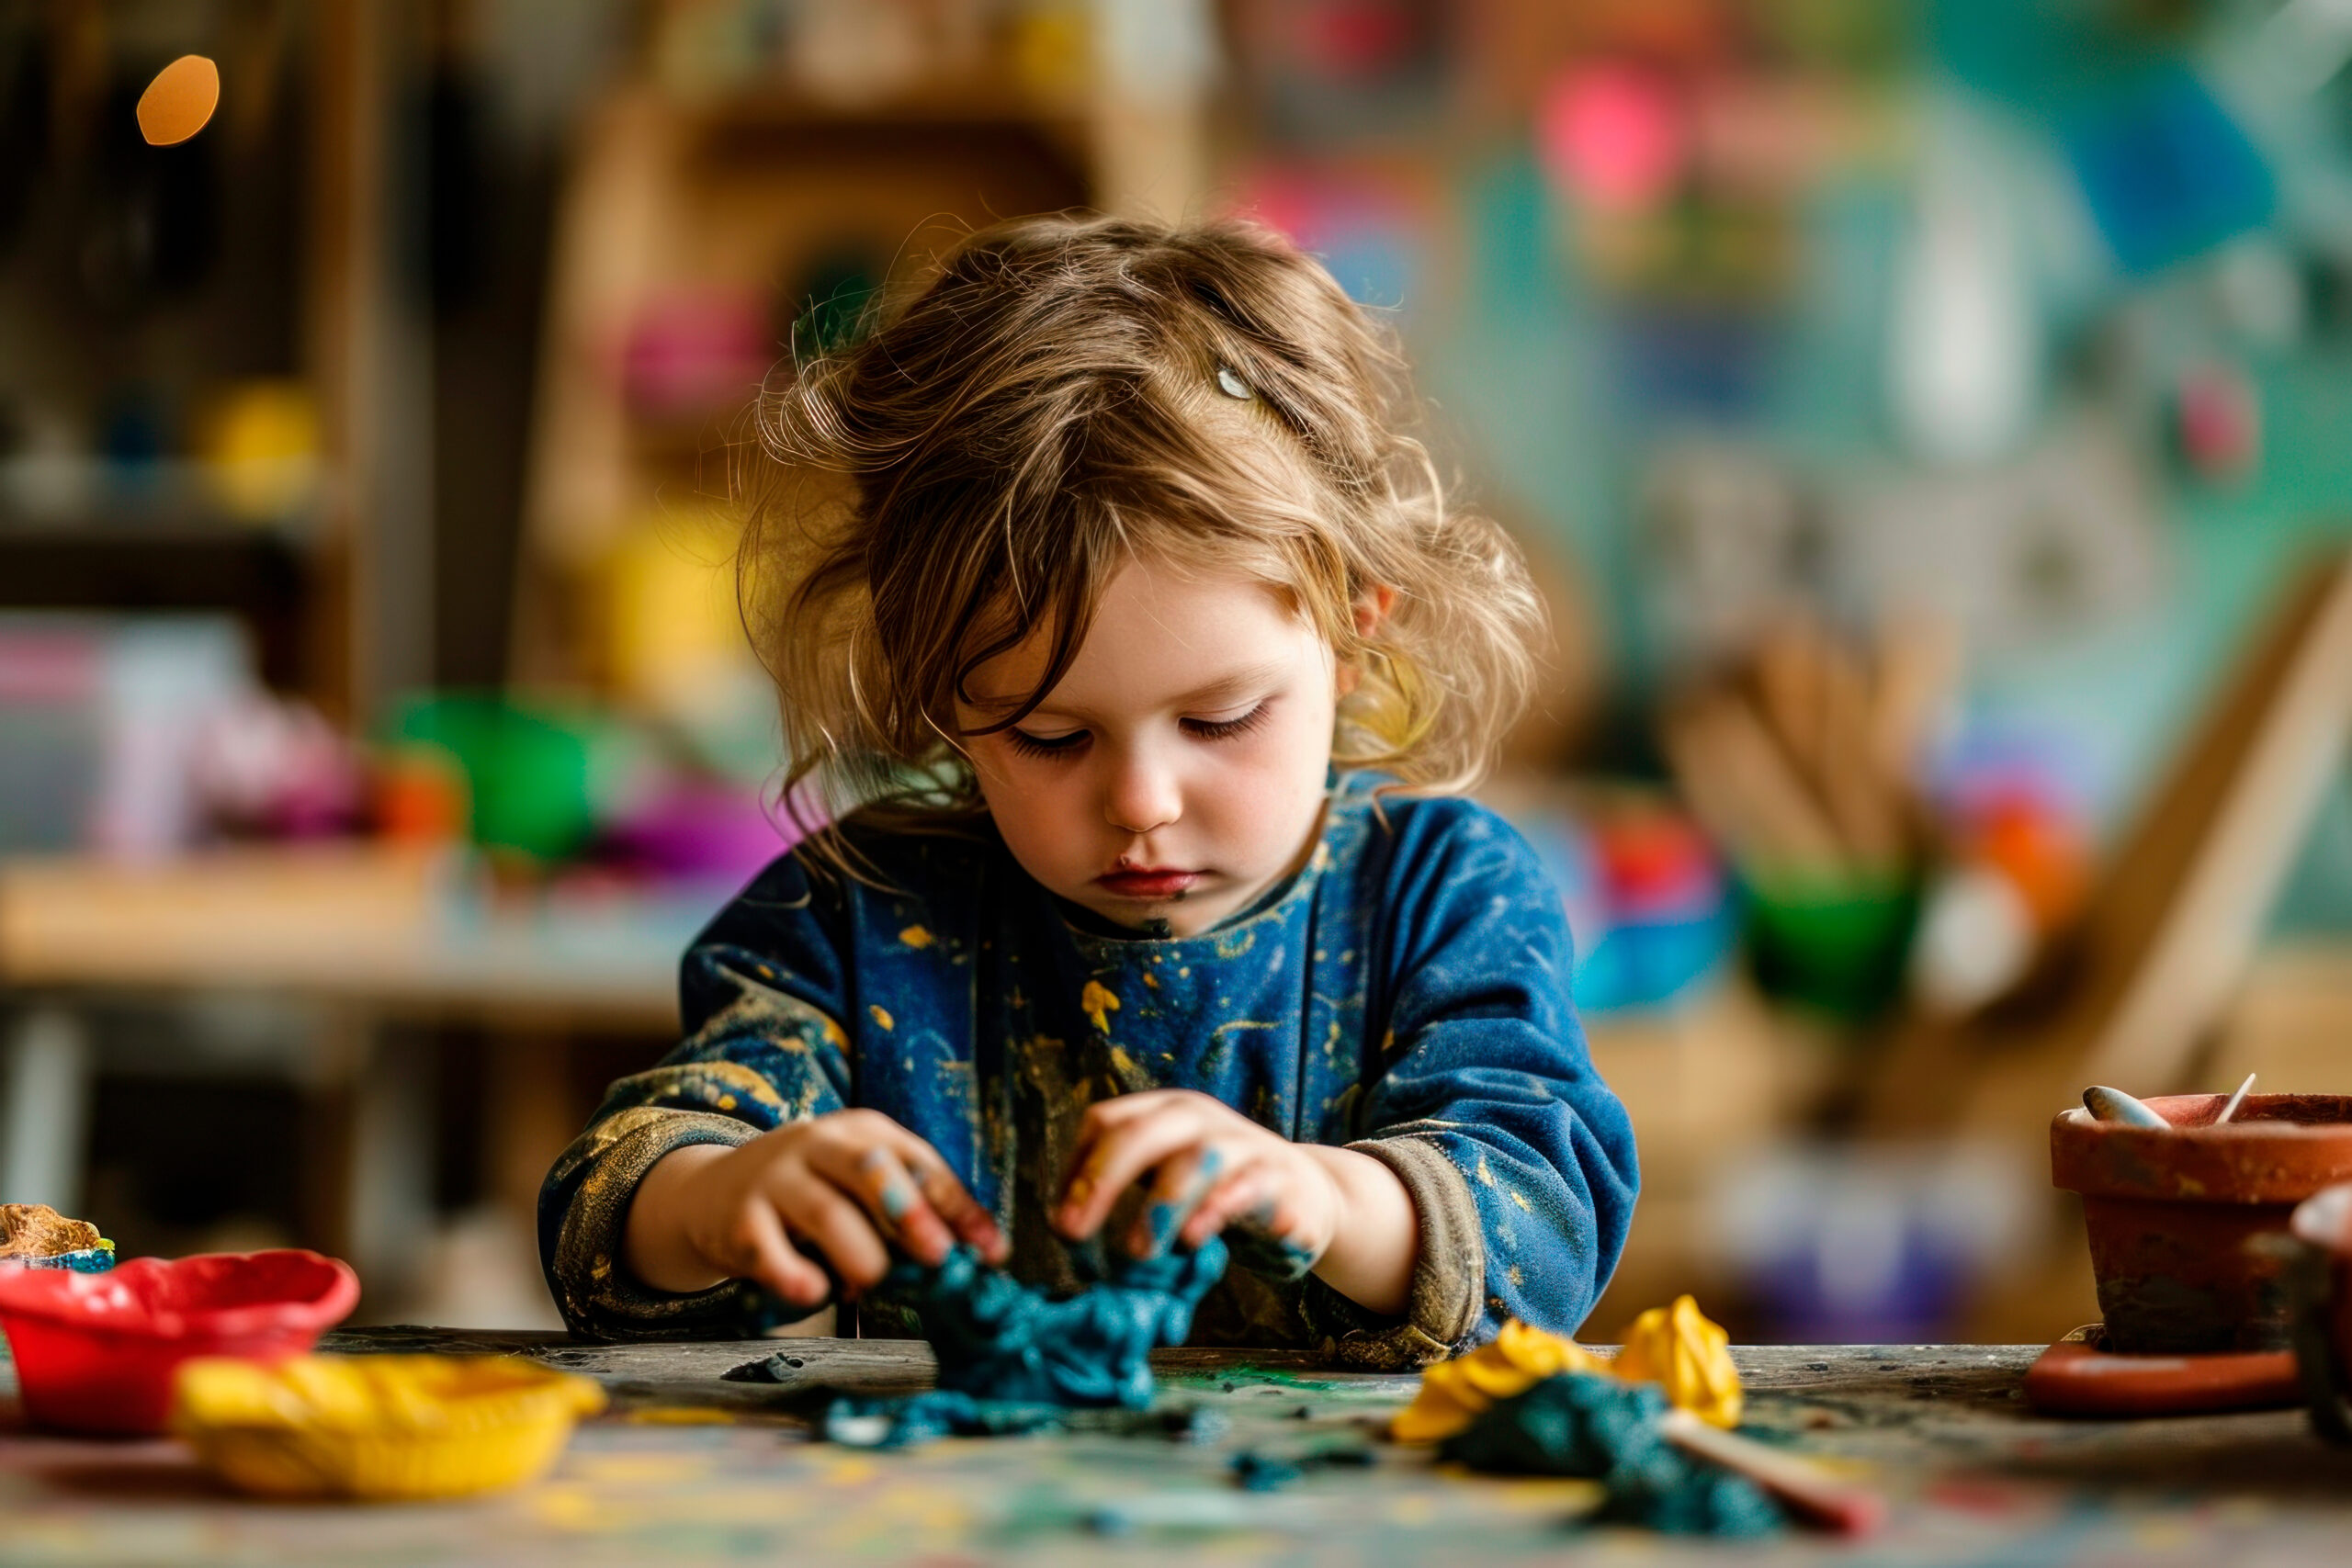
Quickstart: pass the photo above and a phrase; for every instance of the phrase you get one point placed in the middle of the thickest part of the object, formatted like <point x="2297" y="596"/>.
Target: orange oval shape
<point x="179" y="101"/>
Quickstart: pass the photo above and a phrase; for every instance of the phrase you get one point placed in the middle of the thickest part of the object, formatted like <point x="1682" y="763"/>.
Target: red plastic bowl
<point x="96" y="1352"/>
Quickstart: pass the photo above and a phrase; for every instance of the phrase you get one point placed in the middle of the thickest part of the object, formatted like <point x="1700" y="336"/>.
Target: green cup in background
<point x="542" y="776"/>
<point x="1839" y="944"/>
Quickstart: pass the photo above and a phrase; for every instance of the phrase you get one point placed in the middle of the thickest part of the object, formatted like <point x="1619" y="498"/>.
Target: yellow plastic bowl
<point x="379" y="1428"/>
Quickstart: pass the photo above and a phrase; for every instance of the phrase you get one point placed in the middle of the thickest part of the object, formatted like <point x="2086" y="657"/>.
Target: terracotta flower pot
<point x="2189" y="1226"/>
<point x="2321" y="1278"/>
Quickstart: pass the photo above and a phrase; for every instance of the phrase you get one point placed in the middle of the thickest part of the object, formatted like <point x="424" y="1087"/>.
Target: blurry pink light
<point x="1613" y="135"/>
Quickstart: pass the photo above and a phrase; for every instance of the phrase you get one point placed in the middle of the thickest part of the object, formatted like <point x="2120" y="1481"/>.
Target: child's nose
<point x="1142" y="795"/>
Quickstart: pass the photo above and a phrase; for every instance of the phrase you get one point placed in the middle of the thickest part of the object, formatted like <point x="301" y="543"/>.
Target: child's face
<point x="1176" y="772"/>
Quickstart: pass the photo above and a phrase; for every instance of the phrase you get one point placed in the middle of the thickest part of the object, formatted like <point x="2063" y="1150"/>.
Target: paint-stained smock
<point x="1406" y="995"/>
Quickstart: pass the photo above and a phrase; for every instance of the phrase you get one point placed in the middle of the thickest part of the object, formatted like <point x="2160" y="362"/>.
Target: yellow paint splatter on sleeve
<point x="915" y="936"/>
<point x="881" y="1015"/>
<point x="1098" y="1002"/>
<point x="1520" y="1199"/>
<point x="1152" y="980"/>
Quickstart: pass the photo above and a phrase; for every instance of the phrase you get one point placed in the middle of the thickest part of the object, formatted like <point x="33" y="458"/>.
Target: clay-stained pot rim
<point x="2243" y="1161"/>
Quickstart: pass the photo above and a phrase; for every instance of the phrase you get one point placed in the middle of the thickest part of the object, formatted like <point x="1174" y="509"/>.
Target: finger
<point x="1105" y="1116"/>
<point x="1245" y="1196"/>
<point x="1177" y="1189"/>
<point x="773" y="1262"/>
<point x="1117" y="1161"/>
<point x="876" y="1177"/>
<point x="952" y="1200"/>
<point x="840" y="1228"/>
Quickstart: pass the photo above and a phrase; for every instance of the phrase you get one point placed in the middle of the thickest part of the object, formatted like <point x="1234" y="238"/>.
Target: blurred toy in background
<point x="541" y="775"/>
<point x="573" y="790"/>
<point x="1802" y="760"/>
<point x="2165" y="170"/>
<point x="1323" y="71"/>
<point x="1965" y="356"/>
<point x="1369" y="226"/>
<point x="2016" y="863"/>
<point x="690" y="355"/>
<point x="273" y="767"/>
<point x="258" y="444"/>
<point x="100" y="717"/>
<point x="698" y="830"/>
<point x="1838" y="1245"/>
<point x="670" y="644"/>
<point x="1649" y="905"/>
<point x="2216" y="424"/>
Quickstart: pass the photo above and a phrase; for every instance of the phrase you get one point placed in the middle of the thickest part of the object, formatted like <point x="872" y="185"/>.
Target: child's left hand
<point x="1210" y="1166"/>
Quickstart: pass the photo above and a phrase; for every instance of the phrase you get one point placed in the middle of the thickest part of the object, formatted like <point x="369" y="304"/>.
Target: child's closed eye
<point x="1030" y="745"/>
<point x="1074" y="740"/>
<point x="1227" y="728"/>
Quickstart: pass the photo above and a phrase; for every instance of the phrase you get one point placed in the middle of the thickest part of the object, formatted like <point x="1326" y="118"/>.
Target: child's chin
<point x="1160" y="918"/>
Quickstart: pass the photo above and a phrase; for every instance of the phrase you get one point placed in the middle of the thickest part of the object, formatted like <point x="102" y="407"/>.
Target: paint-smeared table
<point x="687" y="1468"/>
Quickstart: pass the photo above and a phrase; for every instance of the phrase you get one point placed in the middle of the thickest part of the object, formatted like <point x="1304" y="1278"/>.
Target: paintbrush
<point x="1797" y="1483"/>
<point x="2235" y="1100"/>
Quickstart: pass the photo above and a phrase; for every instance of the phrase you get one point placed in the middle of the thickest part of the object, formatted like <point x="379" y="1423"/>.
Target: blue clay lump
<point x="997" y="1339"/>
<point x="1011" y="1360"/>
<point x="1587" y="1425"/>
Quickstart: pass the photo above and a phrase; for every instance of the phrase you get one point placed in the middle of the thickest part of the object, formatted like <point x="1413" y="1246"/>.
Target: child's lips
<point x="1153" y="882"/>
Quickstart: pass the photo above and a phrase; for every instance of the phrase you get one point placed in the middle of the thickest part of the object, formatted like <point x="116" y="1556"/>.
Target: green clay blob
<point x="1010" y="1358"/>
<point x="1578" y="1424"/>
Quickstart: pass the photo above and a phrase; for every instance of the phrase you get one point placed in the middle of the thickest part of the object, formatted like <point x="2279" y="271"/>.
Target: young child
<point x="1144" y="647"/>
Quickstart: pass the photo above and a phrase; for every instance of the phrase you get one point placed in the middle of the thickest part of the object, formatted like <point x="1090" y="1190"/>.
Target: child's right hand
<point x="849" y="1184"/>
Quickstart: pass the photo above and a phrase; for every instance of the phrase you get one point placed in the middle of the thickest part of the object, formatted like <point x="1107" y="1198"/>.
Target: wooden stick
<point x="1863" y="800"/>
<point x="2235" y="1100"/>
<point x="1803" y="1486"/>
<point x="1760" y="769"/>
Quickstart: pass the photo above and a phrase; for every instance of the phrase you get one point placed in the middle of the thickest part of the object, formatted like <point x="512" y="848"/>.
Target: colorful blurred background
<point x="1931" y="423"/>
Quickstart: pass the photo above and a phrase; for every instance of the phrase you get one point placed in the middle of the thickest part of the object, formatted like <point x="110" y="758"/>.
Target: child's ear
<point x="1372" y="607"/>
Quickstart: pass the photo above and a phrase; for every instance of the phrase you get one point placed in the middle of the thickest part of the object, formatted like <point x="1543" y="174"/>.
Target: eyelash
<point x="1200" y="728"/>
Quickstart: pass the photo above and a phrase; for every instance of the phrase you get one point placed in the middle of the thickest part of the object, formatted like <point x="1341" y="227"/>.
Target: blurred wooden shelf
<point x="386" y="927"/>
<point x="266" y="578"/>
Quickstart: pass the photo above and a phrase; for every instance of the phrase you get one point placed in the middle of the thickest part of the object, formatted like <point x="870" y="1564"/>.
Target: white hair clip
<point x="1230" y="383"/>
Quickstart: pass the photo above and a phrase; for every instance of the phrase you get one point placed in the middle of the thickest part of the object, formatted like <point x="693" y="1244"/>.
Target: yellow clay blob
<point x="379" y="1426"/>
<point x="179" y="101"/>
<point x="1455" y="1392"/>
<point x="1674" y="1346"/>
<point x="1678" y="1347"/>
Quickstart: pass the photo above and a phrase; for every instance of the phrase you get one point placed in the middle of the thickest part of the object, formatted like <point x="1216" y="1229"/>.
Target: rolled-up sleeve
<point x="762" y="995"/>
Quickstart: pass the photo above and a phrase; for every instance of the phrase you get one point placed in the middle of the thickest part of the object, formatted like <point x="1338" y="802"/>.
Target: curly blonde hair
<point x="1057" y="398"/>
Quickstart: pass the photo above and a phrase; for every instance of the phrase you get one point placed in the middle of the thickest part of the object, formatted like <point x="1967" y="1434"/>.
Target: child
<point x="1135" y="621"/>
